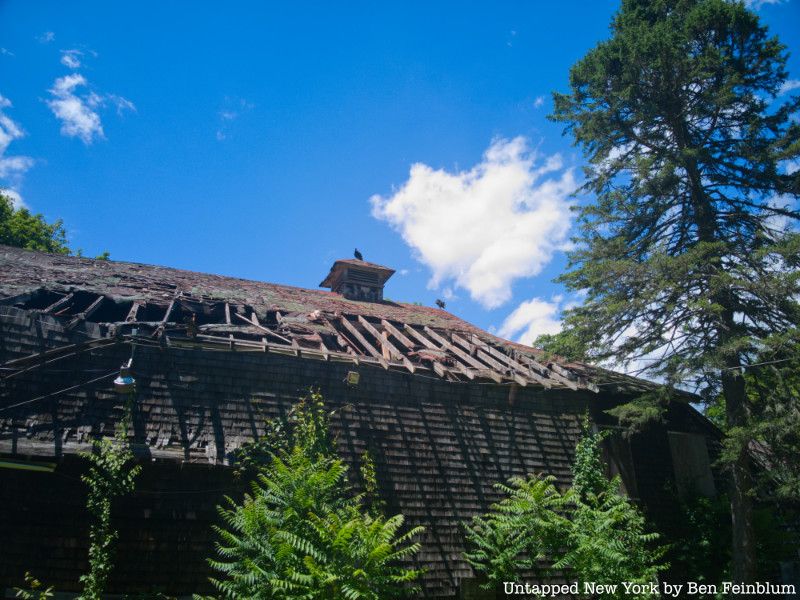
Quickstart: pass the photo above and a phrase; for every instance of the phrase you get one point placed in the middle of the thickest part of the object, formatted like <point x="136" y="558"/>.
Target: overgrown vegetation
<point x="301" y="532"/>
<point x="111" y="474"/>
<point x="591" y="530"/>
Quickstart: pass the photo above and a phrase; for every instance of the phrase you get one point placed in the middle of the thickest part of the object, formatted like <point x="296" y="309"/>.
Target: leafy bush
<point x="519" y="532"/>
<point x="301" y="533"/>
<point x="591" y="530"/>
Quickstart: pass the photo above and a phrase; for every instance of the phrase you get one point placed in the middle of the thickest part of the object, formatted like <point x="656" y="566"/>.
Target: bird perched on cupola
<point x="358" y="255"/>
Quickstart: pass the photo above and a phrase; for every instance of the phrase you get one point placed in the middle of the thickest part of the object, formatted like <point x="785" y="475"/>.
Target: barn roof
<point x="186" y="308"/>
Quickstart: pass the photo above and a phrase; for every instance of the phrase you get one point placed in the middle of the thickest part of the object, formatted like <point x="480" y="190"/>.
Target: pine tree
<point x="688" y="250"/>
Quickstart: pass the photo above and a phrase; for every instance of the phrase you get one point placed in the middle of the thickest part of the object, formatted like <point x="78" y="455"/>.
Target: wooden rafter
<point x="86" y="313"/>
<point x="513" y="364"/>
<point x="472" y="362"/>
<point x="438" y="367"/>
<point x="159" y="332"/>
<point x="398" y="334"/>
<point x="228" y="322"/>
<point x="551" y="372"/>
<point x="383" y="340"/>
<point x="363" y="341"/>
<point x="59" y="303"/>
<point x="485" y="357"/>
<point x="133" y="312"/>
<point x="326" y="354"/>
<point x="257" y="324"/>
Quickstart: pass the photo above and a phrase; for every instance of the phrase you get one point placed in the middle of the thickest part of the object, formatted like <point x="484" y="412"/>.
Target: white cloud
<point x="12" y="168"/>
<point x="75" y="111"/>
<point x="78" y="110"/>
<point x="792" y="166"/>
<point x="6" y="52"/>
<point x="46" y="37"/>
<point x="483" y="228"/>
<point x="16" y="199"/>
<point x="539" y="102"/>
<point x="531" y="319"/>
<point x="789" y="85"/>
<point x="71" y="58"/>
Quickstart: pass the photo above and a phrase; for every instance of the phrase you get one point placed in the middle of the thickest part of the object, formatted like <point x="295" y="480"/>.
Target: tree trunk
<point x="741" y="484"/>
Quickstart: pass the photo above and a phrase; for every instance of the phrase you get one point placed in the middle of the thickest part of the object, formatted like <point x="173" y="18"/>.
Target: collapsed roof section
<point x="182" y="308"/>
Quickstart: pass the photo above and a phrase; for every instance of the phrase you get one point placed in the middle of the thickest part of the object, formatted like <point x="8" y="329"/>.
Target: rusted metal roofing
<point x="185" y="308"/>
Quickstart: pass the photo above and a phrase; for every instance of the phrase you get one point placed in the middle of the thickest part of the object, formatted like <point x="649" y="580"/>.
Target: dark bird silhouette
<point x="440" y="303"/>
<point x="358" y="255"/>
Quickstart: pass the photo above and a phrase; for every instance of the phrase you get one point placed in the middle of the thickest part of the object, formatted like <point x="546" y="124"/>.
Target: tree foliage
<point x="772" y="431"/>
<point x="689" y="251"/>
<point x="591" y="530"/>
<point x="684" y="249"/>
<point x="20" y="228"/>
<point x="301" y="533"/>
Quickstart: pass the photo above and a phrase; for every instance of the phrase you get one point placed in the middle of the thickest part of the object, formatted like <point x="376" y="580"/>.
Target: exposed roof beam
<point x="398" y="334"/>
<point x="255" y="322"/>
<point x="497" y="378"/>
<point x="86" y="313"/>
<point x="520" y="379"/>
<point x="133" y="312"/>
<point x="363" y="341"/>
<point x="513" y="364"/>
<point x="58" y="303"/>
<point x="438" y="367"/>
<point x="383" y="340"/>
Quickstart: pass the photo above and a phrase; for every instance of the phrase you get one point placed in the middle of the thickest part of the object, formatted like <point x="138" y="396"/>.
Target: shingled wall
<point x="439" y="447"/>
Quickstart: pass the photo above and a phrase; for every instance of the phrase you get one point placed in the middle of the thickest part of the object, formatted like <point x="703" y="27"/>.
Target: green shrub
<point x="302" y="533"/>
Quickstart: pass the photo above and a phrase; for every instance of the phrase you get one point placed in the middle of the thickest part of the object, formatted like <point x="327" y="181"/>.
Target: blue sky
<point x="266" y="140"/>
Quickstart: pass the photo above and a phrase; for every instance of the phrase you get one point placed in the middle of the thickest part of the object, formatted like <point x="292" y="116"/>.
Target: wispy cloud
<point x="482" y="229"/>
<point x="789" y="85"/>
<point x="6" y="52"/>
<point x="511" y="36"/>
<point x="756" y="4"/>
<point x="232" y="109"/>
<point x="12" y="168"/>
<point x="71" y="58"/>
<point x="46" y="37"/>
<point x="77" y="107"/>
<point x="539" y="102"/>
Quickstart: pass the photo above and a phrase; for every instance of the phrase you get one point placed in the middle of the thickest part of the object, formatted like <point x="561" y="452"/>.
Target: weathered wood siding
<point x="439" y="447"/>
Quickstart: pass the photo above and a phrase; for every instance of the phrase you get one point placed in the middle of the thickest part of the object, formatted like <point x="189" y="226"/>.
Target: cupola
<point x="357" y="279"/>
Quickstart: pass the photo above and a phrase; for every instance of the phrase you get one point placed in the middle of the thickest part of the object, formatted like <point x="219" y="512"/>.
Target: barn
<point x="444" y="408"/>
